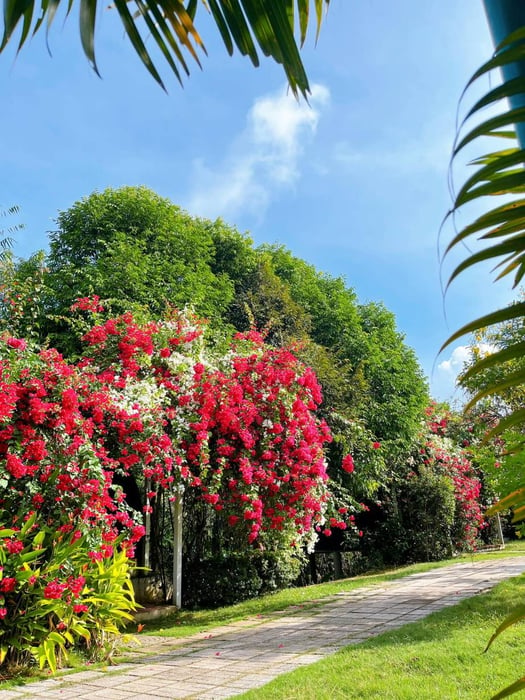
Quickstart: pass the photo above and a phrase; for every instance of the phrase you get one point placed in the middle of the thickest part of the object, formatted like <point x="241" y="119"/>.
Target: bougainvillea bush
<point x="145" y="401"/>
<point x="60" y="521"/>
<point x="241" y="428"/>
<point x="453" y="461"/>
<point x="433" y="507"/>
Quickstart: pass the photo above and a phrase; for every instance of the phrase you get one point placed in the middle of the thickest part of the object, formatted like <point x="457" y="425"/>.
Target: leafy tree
<point x="397" y="390"/>
<point x="22" y="293"/>
<point x="142" y="252"/>
<point x="172" y="28"/>
<point x="331" y="305"/>
<point x="264" y="301"/>
<point x="137" y="249"/>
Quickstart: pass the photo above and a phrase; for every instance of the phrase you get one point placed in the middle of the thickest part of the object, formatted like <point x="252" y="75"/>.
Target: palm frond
<point x="501" y="229"/>
<point x="7" y="233"/>
<point x="276" y="29"/>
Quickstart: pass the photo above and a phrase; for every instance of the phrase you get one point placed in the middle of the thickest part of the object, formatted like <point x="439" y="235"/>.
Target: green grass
<point x="184" y="623"/>
<point x="440" y="657"/>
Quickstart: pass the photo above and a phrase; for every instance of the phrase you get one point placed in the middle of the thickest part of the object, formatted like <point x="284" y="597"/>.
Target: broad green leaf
<point x="510" y="689"/>
<point x="80" y="630"/>
<point x="57" y="638"/>
<point x="28" y="524"/>
<point x="506" y="314"/>
<point x="517" y="615"/>
<point x="30" y="556"/>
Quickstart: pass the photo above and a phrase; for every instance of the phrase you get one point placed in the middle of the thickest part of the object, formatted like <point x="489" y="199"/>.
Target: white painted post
<point x="147" y="525"/>
<point x="177" y="548"/>
<point x="500" y="530"/>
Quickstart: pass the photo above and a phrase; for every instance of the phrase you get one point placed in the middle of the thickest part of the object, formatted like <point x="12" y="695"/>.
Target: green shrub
<point x="236" y="576"/>
<point x="59" y="592"/>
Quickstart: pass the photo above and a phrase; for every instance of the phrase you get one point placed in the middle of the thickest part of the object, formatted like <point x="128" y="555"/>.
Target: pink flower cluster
<point x="456" y="464"/>
<point x="244" y="433"/>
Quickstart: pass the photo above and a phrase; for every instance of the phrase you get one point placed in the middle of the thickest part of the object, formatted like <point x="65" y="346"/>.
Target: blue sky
<point x="355" y="183"/>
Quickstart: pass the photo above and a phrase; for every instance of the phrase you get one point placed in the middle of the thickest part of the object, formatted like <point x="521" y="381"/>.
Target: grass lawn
<point x="440" y="657"/>
<point x="187" y="622"/>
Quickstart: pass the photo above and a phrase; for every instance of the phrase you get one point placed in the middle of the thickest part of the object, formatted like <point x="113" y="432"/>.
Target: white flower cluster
<point x="143" y="394"/>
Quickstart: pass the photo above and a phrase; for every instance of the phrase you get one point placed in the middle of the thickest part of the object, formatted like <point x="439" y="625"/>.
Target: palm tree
<point x="6" y="233"/>
<point x="172" y="24"/>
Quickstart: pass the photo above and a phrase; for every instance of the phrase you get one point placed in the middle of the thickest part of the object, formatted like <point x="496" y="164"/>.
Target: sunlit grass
<point x="439" y="657"/>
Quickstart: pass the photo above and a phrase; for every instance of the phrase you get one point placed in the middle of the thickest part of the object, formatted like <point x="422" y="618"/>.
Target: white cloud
<point x="263" y="158"/>
<point x="444" y="381"/>
<point x="457" y="359"/>
<point x="461" y="355"/>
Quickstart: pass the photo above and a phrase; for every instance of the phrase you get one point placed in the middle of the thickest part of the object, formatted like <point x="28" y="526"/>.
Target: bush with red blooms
<point x="145" y="399"/>
<point x="446" y="457"/>
<point x="64" y="532"/>
<point x="241" y="428"/>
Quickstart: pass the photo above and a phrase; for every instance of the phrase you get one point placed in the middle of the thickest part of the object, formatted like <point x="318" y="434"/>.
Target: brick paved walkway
<point x="249" y="654"/>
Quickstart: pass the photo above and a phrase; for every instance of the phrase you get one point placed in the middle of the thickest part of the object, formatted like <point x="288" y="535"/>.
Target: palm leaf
<point x="509" y="501"/>
<point x="501" y="229"/>
<point x="511" y="380"/>
<point x="248" y="25"/>
<point x="510" y="689"/>
<point x="517" y="615"/>
<point x="501" y="315"/>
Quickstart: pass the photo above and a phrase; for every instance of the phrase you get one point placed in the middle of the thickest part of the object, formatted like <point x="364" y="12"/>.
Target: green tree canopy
<point x="132" y="245"/>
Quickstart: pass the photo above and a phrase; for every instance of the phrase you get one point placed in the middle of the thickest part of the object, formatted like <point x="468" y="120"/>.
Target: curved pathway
<point x="250" y="653"/>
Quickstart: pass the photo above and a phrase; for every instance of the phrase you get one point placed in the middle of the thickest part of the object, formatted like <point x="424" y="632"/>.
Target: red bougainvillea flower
<point x="8" y="584"/>
<point x="16" y="343"/>
<point x="80" y="608"/>
<point x="14" y="546"/>
<point x="54" y="590"/>
<point x="347" y="464"/>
